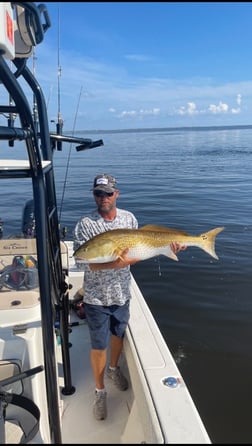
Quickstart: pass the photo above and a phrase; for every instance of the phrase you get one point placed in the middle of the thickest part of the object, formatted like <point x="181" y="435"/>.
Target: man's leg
<point x="114" y="372"/>
<point x="98" y="363"/>
<point x="116" y="346"/>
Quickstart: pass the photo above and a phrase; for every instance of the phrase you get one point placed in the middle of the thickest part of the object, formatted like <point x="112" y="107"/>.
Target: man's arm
<point x="120" y="262"/>
<point x="123" y="261"/>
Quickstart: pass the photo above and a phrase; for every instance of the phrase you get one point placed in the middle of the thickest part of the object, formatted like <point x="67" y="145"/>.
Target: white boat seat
<point x="13" y="281"/>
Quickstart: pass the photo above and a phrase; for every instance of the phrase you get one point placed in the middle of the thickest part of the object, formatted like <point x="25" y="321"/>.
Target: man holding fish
<point x="106" y="287"/>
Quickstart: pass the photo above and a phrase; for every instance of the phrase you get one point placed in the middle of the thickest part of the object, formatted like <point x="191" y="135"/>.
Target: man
<point x="106" y="289"/>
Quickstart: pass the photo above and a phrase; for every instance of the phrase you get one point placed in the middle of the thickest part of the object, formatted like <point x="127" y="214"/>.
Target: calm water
<point x="193" y="180"/>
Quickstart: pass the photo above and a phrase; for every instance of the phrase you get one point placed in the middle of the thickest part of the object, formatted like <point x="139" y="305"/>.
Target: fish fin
<point x="209" y="241"/>
<point x="158" y="228"/>
<point x="171" y="255"/>
<point x="148" y="228"/>
<point x="118" y="253"/>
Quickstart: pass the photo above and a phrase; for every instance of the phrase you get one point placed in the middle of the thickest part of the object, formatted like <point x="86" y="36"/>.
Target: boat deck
<point x="156" y="408"/>
<point x="78" y="422"/>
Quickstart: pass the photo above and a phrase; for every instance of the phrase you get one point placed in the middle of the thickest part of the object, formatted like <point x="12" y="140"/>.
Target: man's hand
<point x="120" y="262"/>
<point x="176" y="247"/>
<point x="123" y="260"/>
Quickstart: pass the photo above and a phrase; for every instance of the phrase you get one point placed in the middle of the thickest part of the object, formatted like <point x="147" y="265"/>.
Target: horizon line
<point x="151" y="129"/>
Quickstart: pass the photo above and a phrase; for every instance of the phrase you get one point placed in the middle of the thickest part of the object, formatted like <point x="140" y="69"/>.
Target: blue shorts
<point x="103" y="321"/>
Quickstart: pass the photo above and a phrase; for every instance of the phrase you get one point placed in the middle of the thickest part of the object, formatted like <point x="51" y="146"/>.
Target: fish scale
<point x="143" y="243"/>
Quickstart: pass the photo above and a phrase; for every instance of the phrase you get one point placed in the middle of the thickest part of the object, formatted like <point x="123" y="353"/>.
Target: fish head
<point x="97" y="251"/>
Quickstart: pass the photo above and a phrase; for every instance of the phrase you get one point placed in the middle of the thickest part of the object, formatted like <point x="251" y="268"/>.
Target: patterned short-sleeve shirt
<point x="108" y="286"/>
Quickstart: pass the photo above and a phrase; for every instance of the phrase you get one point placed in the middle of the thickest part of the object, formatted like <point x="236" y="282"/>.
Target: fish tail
<point x="208" y="241"/>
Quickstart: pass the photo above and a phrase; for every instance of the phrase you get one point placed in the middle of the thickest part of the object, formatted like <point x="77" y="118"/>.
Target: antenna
<point x="11" y="120"/>
<point x="35" y="106"/>
<point x="59" y="125"/>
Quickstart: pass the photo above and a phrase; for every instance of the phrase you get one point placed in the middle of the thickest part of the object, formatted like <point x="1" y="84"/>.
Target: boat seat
<point x="12" y="278"/>
<point x="11" y="248"/>
<point x="16" y="246"/>
<point x="12" y="295"/>
<point x="26" y="246"/>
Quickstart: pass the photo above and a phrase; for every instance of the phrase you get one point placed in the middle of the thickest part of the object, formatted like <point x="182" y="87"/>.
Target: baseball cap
<point x="105" y="182"/>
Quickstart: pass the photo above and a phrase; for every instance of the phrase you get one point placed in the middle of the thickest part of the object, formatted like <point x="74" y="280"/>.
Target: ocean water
<point x="194" y="180"/>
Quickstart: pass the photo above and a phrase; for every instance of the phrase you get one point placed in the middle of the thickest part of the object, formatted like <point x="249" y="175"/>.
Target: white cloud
<point x="235" y="111"/>
<point x="190" y="109"/>
<point x="238" y="99"/>
<point x="137" y="57"/>
<point x="219" y="108"/>
<point x="111" y="94"/>
<point x="139" y="113"/>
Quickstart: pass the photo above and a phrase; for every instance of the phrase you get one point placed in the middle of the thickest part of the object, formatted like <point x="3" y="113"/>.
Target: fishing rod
<point x="68" y="160"/>
<point x="59" y="138"/>
<point x="84" y="145"/>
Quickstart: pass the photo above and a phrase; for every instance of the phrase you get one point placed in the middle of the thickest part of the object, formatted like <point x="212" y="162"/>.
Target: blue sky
<point x="131" y="64"/>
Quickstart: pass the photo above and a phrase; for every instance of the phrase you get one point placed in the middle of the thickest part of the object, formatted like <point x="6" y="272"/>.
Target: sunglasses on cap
<point x="101" y="193"/>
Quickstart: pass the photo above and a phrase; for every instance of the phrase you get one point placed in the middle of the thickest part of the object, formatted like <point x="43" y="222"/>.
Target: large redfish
<point x="143" y="243"/>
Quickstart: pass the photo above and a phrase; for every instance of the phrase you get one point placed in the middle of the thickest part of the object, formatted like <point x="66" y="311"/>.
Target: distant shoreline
<point x="169" y="129"/>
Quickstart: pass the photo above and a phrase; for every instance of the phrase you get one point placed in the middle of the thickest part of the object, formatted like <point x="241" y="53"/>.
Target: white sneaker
<point x="100" y="405"/>
<point x="118" y="378"/>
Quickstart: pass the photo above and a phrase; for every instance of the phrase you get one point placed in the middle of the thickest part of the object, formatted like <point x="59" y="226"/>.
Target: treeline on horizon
<point x="168" y="129"/>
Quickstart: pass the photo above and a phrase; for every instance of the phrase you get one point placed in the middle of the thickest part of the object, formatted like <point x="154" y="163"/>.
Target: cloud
<point x="138" y="57"/>
<point x="236" y="111"/>
<point x="113" y="93"/>
<point x="213" y="109"/>
<point x="139" y="113"/>
<point x="136" y="113"/>
<point x="190" y="109"/>
<point x="219" y="108"/>
<point x="238" y="99"/>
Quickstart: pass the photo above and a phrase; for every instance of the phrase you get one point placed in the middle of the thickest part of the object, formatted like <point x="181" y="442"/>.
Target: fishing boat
<point x="46" y="382"/>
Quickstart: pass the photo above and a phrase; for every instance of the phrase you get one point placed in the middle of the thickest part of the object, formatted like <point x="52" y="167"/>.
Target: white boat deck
<point x="78" y="422"/>
<point x="149" y="411"/>
<point x="156" y="408"/>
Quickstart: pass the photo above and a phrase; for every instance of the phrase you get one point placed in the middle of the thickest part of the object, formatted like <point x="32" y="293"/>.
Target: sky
<point x="125" y="65"/>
